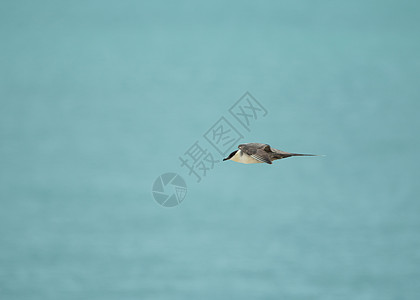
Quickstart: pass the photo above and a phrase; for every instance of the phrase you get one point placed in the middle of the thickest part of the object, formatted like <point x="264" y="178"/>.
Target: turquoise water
<point x="99" y="98"/>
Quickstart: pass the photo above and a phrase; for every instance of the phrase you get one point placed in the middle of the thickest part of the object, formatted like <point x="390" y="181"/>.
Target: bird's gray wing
<point x="262" y="155"/>
<point x="279" y="151"/>
<point x="266" y="147"/>
<point x="278" y="154"/>
<point x="257" y="152"/>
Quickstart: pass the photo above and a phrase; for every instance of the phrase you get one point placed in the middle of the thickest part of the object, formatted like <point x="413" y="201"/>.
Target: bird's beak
<point x="230" y="155"/>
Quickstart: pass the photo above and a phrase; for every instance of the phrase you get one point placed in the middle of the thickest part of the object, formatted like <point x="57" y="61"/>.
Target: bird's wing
<point x="279" y="151"/>
<point x="259" y="153"/>
<point x="262" y="155"/>
<point x="266" y="147"/>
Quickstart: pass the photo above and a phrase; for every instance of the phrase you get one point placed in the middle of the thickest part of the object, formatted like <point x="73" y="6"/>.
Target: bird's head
<point x="230" y="155"/>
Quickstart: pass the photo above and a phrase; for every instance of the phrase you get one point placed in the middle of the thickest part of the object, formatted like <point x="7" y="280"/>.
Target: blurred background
<point x="99" y="98"/>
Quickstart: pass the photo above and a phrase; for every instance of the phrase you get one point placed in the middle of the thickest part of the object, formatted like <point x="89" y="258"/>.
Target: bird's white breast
<point x="244" y="158"/>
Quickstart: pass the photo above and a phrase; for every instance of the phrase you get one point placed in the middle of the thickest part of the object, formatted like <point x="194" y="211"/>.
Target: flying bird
<point x="253" y="153"/>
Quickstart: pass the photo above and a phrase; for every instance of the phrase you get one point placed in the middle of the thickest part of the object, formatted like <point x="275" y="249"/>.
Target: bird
<point x="253" y="153"/>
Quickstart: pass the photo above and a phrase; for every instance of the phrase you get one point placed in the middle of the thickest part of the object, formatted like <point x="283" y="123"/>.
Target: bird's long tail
<point x="299" y="154"/>
<point x="286" y="155"/>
